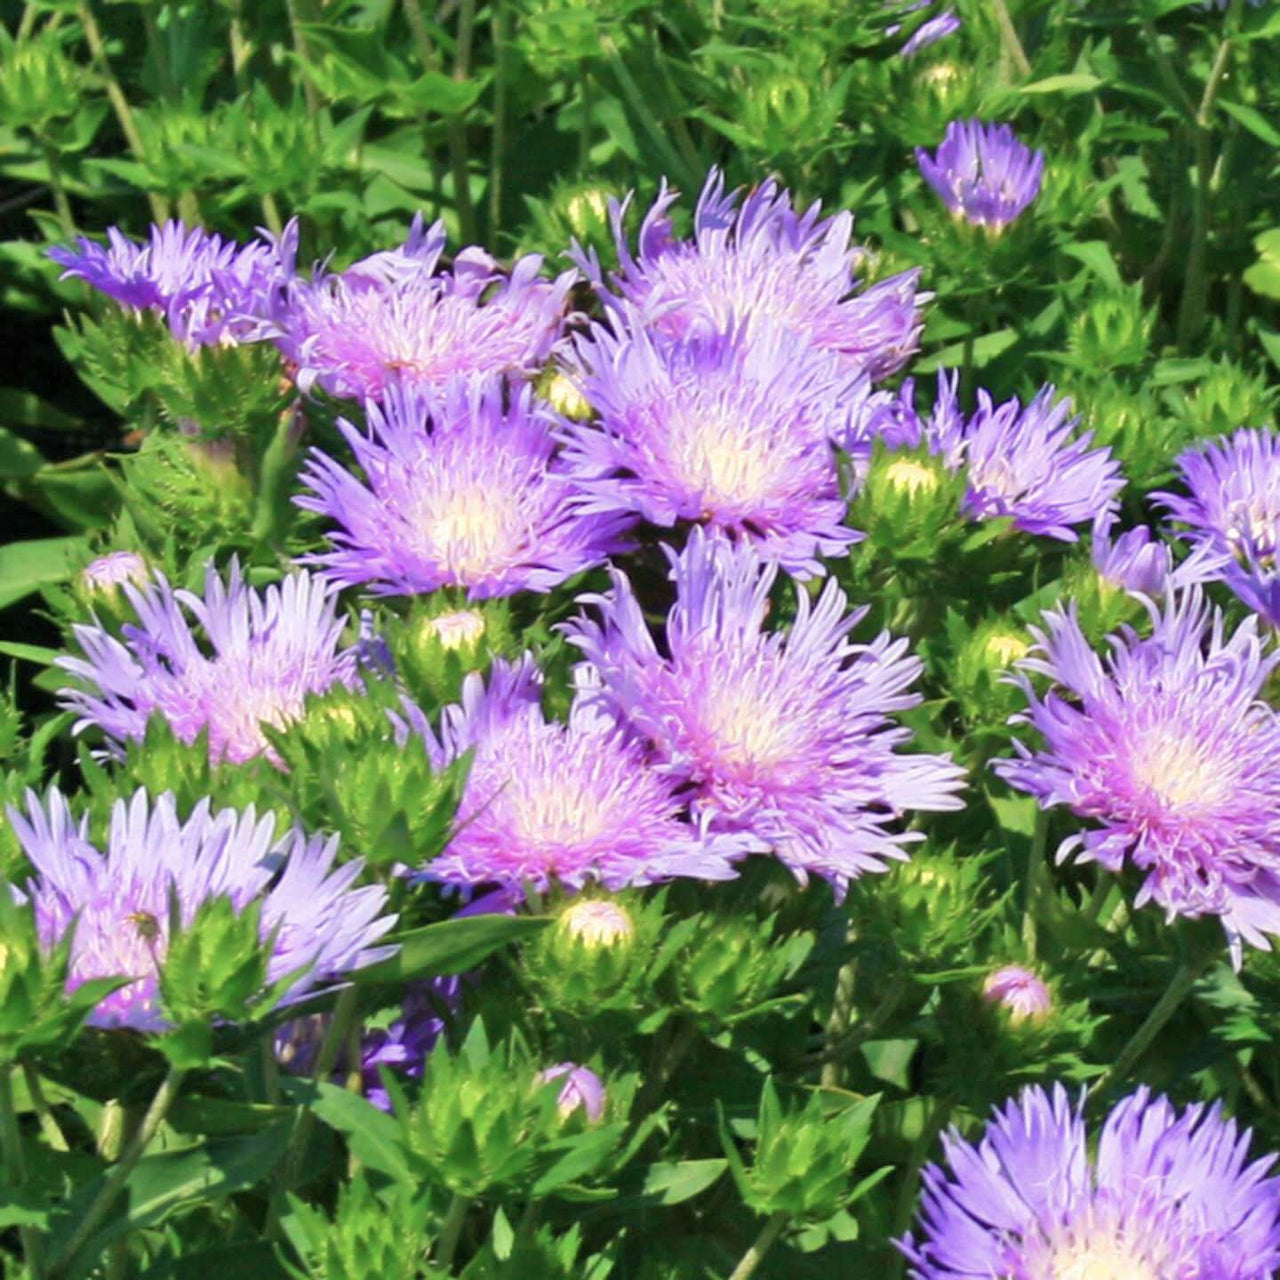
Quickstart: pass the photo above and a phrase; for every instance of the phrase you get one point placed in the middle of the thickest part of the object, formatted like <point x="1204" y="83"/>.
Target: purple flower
<point x="117" y="901"/>
<point x="393" y="319"/>
<point x="1025" y="462"/>
<point x="582" y="1088"/>
<point x="269" y="650"/>
<point x="983" y="173"/>
<point x="760" y="261"/>
<point x="731" y="430"/>
<point x="1019" y="991"/>
<point x="1233" y="514"/>
<point x="784" y="737"/>
<point x="461" y="489"/>
<point x="936" y="28"/>
<point x="209" y="290"/>
<point x="569" y="803"/>
<point x="114" y="570"/>
<point x="1167" y="1196"/>
<point x="1167" y="749"/>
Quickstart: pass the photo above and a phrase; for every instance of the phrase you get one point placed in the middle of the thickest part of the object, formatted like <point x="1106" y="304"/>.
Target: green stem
<point x="754" y="1256"/>
<point x="933" y="1126"/>
<point x="1038" y="880"/>
<point x="60" y="202"/>
<point x="1180" y="985"/>
<point x="27" y="23"/>
<point x="241" y="49"/>
<point x="119" y="103"/>
<point x="303" y="50"/>
<point x="49" y="1127"/>
<point x="1195" y="284"/>
<point x="584" y="128"/>
<point x="271" y="213"/>
<point x="837" y="1028"/>
<point x="15" y="1167"/>
<point x="155" y="40"/>
<point x="838" y="1050"/>
<point x="451" y="1231"/>
<point x="1092" y="908"/>
<point x="335" y="1036"/>
<point x="498" y="27"/>
<point x="136" y="1149"/>
<point x="458" y="129"/>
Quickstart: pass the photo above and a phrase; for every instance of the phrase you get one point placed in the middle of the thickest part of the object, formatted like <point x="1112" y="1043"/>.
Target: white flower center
<point x="1098" y="1258"/>
<point x="1177" y="771"/>
<point x="725" y="467"/>
<point x="473" y="530"/>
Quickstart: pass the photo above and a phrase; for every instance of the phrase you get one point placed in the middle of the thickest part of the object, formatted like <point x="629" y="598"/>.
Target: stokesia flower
<point x="1025" y="462"/>
<point x="210" y="290"/>
<point x="1167" y="750"/>
<point x="785" y="737"/>
<point x="1232" y="513"/>
<point x="582" y="1088"/>
<point x="762" y="261"/>
<point x="462" y="489"/>
<point x="570" y="803"/>
<point x="118" y="900"/>
<point x="983" y="173"/>
<point x="394" y="319"/>
<point x="113" y="570"/>
<point x="731" y="430"/>
<point x="1168" y="1196"/>
<point x="266" y="651"/>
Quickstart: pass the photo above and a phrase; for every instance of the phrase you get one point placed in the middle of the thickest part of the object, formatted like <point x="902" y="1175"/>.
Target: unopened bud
<point x="582" y="1088"/>
<point x="1018" y="991"/>
<point x="113" y="570"/>
<point x="456" y="630"/>
<point x="596" y="923"/>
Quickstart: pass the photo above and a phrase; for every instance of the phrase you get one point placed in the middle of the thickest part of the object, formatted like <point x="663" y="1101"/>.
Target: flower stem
<point x="754" y="1256"/>
<point x="1037" y="880"/>
<point x="49" y="1127"/>
<point x="1009" y="38"/>
<point x="60" y="202"/>
<point x="275" y="476"/>
<point x="498" y="27"/>
<point x="451" y="1231"/>
<point x="101" y="1206"/>
<point x="15" y="1168"/>
<point x="119" y="103"/>
<point x="1180" y="985"/>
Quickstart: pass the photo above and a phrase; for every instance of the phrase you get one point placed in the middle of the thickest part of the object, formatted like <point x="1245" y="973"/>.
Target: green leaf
<point x="27" y="566"/>
<point x="29" y="652"/>
<point x="258" y="1259"/>
<point x="375" y="1138"/>
<point x="675" y="1183"/>
<point x="1253" y="120"/>
<point x="163" y="1184"/>
<point x="452" y="946"/>
<point x="1076" y="82"/>
<point x="19" y="458"/>
<point x="1096" y="255"/>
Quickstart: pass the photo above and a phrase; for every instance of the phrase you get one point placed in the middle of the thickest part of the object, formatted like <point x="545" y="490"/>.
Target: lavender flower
<point x="210" y="290"/>
<point x="461" y="490"/>
<point x="582" y="1088"/>
<point x="1025" y="463"/>
<point x="269" y="650"/>
<point x="1168" y="1196"/>
<point x="983" y="173"/>
<point x="762" y="260"/>
<point x="731" y="430"/>
<point x="783" y="737"/>
<point x="392" y="319"/>
<point x="1233" y="514"/>
<point x="1167" y="749"/>
<point x="117" y="901"/>
<point x="570" y="803"/>
<point x="930" y="32"/>
<point x="1018" y="991"/>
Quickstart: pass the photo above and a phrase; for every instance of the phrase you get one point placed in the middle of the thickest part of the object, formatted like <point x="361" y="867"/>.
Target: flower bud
<point x="596" y="923"/>
<point x="460" y="630"/>
<point x="582" y="1088"/>
<point x="1019" y="992"/>
<point x="105" y="574"/>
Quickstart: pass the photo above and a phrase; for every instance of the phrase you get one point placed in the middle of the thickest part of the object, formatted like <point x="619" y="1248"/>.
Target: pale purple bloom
<point x="731" y="430"/>
<point x="1168" y="1195"/>
<point x="394" y="319"/>
<point x="265" y="651"/>
<point x="783" y="736"/>
<point x="1026" y="463"/>
<point x="114" y="570"/>
<point x="118" y="900"/>
<point x="761" y="261"/>
<point x="1167" y="750"/>
<point x="461" y="488"/>
<point x="582" y="1088"/>
<point x="1019" y="991"/>
<point x="983" y="173"/>
<point x="570" y="803"/>
<point x="1232" y="512"/>
<point x="210" y="290"/>
<point x="930" y="32"/>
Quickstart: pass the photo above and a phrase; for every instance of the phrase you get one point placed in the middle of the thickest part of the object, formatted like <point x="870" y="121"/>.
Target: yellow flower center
<point x="1097" y="1259"/>
<point x="1177" y="771"/>
<point x="1004" y="648"/>
<point x="906" y="475"/>
<point x="473" y="530"/>
<point x="724" y="466"/>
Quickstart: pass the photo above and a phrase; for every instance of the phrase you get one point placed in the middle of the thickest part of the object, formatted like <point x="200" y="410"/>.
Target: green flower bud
<point x="561" y="393"/>
<point x="1113" y="331"/>
<point x="805" y="1159"/>
<point x="984" y="658"/>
